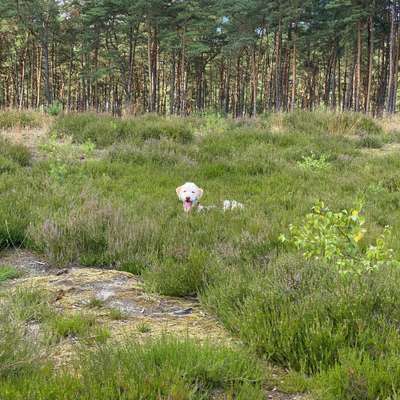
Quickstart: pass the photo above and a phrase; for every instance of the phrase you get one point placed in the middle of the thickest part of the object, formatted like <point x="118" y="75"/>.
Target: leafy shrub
<point x="64" y="150"/>
<point x="335" y="238"/>
<point x="314" y="163"/>
<point x="55" y="109"/>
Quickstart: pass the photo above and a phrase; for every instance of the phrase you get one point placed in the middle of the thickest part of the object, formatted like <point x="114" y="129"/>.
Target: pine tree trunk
<point x="357" y="82"/>
<point x="370" y="64"/>
<point x="294" y="77"/>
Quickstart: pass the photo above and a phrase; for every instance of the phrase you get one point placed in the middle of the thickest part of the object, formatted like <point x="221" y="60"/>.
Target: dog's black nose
<point x="187" y="198"/>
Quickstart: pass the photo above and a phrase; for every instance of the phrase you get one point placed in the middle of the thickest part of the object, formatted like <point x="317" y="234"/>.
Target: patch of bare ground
<point x="140" y="315"/>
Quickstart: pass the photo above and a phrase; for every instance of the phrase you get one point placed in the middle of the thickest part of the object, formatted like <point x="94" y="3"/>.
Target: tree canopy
<point x="236" y="57"/>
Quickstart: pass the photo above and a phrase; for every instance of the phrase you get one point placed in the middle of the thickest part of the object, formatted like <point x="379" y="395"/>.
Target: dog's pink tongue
<point x="187" y="205"/>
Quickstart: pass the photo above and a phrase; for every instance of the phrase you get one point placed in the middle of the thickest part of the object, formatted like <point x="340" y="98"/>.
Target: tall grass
<point x="20" y="119"/>
<point x="120" y="210"/>
<point x="104" y="130"/>
<point x="167" y="368"/>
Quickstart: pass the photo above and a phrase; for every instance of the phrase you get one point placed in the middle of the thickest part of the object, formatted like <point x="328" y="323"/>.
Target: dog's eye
<point x="193" y="192"/>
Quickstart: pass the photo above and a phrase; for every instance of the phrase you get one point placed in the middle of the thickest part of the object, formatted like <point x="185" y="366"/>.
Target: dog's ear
<point x="178" y="190"/>
<point x="201" y="191"/>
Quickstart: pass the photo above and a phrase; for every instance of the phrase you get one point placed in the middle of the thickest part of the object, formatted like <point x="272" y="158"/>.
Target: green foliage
<point x="55" y="108"/>
<point x="104" y="130"/>
<point x="116" y="207"/>
<point x="165" y="368"/>
<point x="95" y="303"/>
<point x="78" y="326"/>
<point x="20" y="119"/>
<point x="14" y="154"/>
<point x="324" y="122"/>
<point x="17" y="353"/>
<point x="116" y="314"/>
<point x="8" y="272"/>
<point x="144" y="328"/>
<point x="371" y="142"/>
<point x="304" y="316"/>
<point x="29" y="305"/>
<point x="314" y="163"/>
<point x="62" y="150"/>
<point x="335" y="237"/>
<point x="186" y="277"/>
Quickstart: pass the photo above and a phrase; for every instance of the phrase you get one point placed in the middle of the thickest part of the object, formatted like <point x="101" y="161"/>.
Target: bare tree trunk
<point x="254" y="80"/>
<point x="370" y="63"/>
<point x="294" y="77"/>
<point x="357" y="82"/>
<point x="391" y="96"/>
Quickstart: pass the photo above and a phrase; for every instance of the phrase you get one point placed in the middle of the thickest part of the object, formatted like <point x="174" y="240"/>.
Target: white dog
<point x="190" y="194"/>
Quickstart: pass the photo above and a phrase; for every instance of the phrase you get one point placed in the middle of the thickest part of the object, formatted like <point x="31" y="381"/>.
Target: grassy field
<point x="323" y="302"/>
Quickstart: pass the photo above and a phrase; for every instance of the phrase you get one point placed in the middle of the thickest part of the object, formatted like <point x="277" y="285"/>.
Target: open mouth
<point x="187" y="205"/>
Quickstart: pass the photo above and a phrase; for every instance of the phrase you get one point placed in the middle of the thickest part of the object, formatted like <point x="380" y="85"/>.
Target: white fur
<point x="190" y="194"/>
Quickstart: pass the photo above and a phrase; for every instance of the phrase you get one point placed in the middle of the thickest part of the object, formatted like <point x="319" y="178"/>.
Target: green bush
<point x="55" y="109"/>
<point x="313" y="162"/>
<point x="336" y="238"/>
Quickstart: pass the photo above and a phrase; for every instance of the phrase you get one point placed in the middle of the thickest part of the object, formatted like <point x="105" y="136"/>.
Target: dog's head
<point x="189" y="194"/>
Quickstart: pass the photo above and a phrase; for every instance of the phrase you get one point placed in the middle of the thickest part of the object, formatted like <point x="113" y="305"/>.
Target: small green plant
<point x="116" y="314"/>
<point x="72" y="325"/>
<point x="55" y="108"/>
<point x="336" y="236"/>
<point x="88" y="147"/>
<point x="314" y="163"/>
<point x="7" y="272"/>
<point x="95" y="303"/>
<point x="58" y="171"/>
<point x="29" y="304"/>
<point x="143" y="327"/>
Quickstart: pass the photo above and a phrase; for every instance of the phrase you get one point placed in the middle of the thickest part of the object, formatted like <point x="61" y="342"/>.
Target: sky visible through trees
<point x="234" y="57"/>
